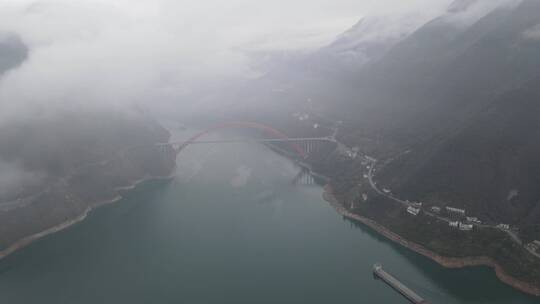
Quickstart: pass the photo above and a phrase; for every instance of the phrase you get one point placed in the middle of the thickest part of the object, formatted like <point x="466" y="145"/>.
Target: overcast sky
<point x="290" y="23"/>
<point x="112" y="51"/>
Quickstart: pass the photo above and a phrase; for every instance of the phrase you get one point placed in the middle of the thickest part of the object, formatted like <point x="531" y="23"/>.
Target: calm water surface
<point x="229" y="229"/>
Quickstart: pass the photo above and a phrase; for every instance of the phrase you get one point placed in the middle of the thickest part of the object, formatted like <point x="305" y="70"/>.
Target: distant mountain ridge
<point x="372" y="37"/>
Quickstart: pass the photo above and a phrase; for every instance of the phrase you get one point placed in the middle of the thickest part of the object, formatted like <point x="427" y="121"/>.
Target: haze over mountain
<point x="459" y="92"/>
<point x="52" y="159"/>
<point x="434" y="101"/>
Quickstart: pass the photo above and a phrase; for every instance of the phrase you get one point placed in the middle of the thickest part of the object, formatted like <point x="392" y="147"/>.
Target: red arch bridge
<point x="298" y="147"/>
<point x="303" y="147"/>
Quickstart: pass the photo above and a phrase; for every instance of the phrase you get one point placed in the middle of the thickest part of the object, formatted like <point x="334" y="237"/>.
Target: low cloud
<point x="13" y="178"/>
<point x="12" y="52"/>
<point x="86" y="54"/>
<point x="116" y="53"/>
<point x="533" y="33"/>
<point x="467" y="12"/>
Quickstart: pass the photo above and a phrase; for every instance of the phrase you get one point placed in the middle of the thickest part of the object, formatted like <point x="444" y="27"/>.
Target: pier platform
<point x="410" y="295"/>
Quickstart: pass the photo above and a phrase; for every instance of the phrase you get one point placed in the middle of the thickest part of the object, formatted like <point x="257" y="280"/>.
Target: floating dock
<point x="397" y="285"/>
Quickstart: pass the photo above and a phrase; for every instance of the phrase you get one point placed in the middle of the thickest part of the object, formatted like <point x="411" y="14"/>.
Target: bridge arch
<point x="244" y="124"/>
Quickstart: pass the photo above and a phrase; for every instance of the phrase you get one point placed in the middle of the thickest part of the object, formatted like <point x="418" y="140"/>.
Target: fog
<point x="116" y="53"/>
<point x="532" y="33"/>
<point x="478" y="9"/>
<point x="13" y="176"/>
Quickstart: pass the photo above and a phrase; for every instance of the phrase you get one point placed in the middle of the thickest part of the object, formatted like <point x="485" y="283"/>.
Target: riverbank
<point x="448" y="262"/>
<point x="81" y="217"/>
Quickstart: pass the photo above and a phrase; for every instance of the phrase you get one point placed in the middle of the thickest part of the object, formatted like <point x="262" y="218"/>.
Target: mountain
<point x="369" y="40"/>
<point x="462" y="100"/>
<point x="370" y="65"/>
<point x="290" y="79"/>
<point x="437" y="76"/>
<point x="469" y="115"/>
<point x="486" y="160"/>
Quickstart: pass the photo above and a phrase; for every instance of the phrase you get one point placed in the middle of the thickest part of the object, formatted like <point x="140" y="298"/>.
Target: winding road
<point x="513" y="236"/>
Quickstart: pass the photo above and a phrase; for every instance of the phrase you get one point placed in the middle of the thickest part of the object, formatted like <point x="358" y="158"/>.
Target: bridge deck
<point x="242" y="140"/>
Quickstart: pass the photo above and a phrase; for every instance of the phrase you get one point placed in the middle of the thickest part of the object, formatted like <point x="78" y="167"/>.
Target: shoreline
<point x="22" y="243"/>
<point x="447" y="262"/>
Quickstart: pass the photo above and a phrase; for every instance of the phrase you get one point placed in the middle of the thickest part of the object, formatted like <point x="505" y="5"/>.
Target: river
<point x="229" y="229"/>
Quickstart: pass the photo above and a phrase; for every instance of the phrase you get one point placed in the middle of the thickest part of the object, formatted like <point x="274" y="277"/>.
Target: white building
<point x="534" y="246"/>
<point x="385" y="190"/>
<point x="503" y="226"/>
<point x="413" y="211"/>
<point x="436" y="209"/>
<point x="371" y="159"/>
<point x="454" y="224"/>
<point x="455" y="210"/>
<point x="465" y="227"/>
<point x="473" y="220"/>
<point x="417" y="204"/>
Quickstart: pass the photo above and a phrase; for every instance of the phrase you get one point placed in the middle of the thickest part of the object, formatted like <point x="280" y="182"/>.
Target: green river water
<point x="229" y="229"/>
